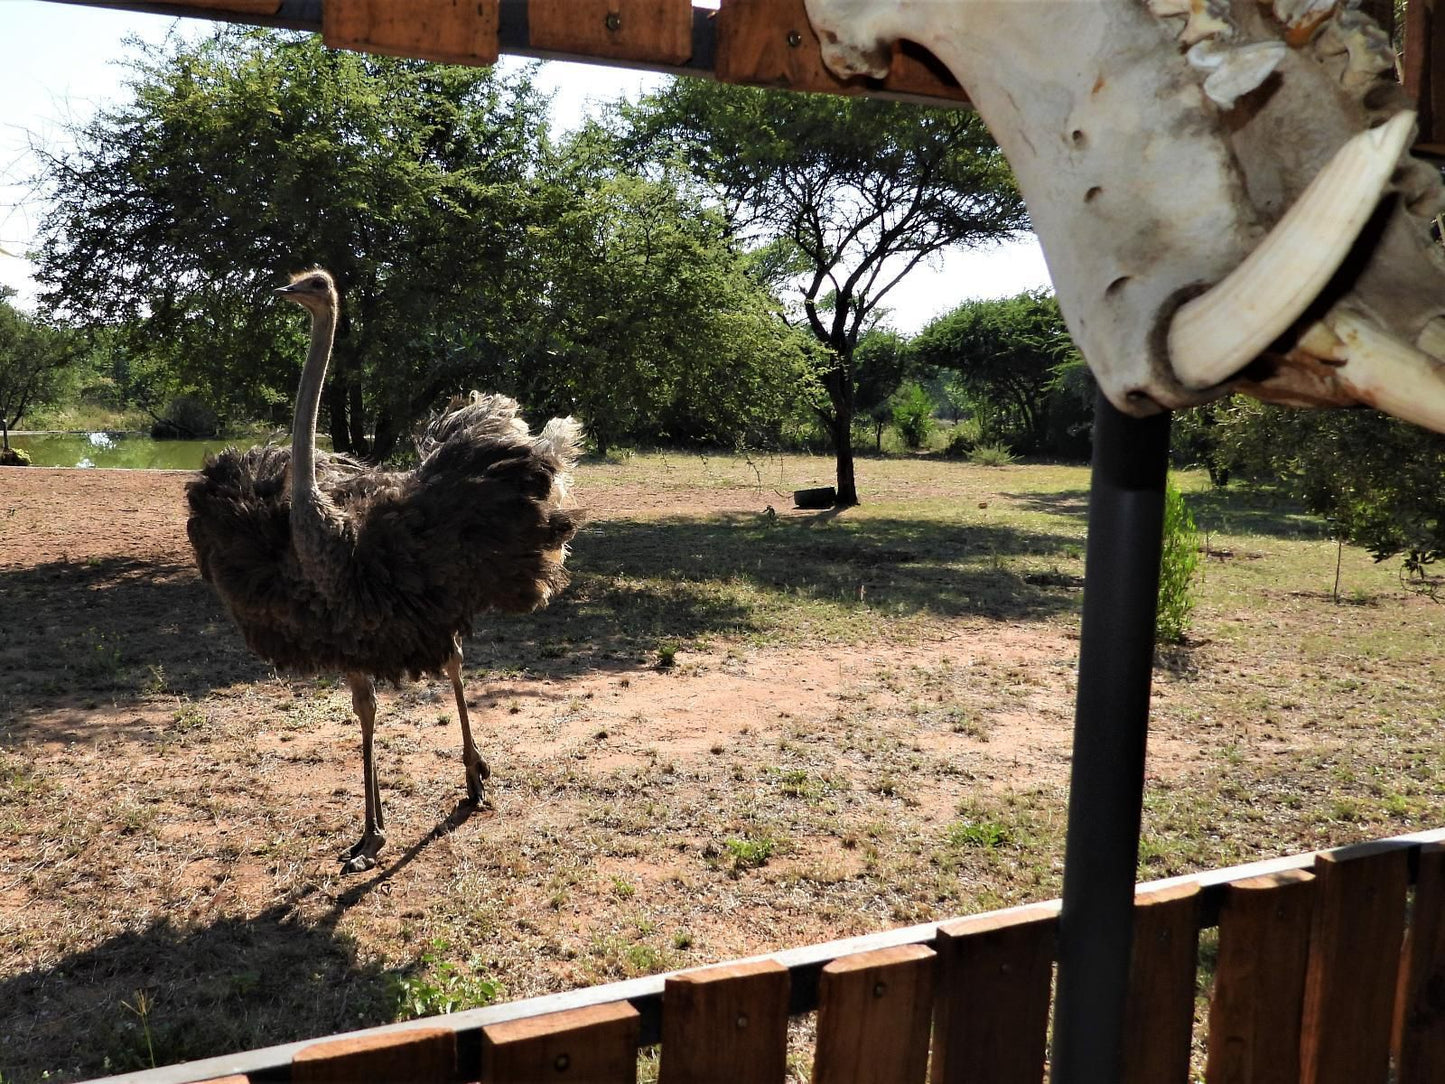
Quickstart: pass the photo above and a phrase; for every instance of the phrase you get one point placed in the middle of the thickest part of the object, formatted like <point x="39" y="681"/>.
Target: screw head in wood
<point x="563" y="1063"/>
<point x="794" y="39"/>
<point x="742" y="1019"/>
<point x="879" y="989"/>
<point x="614" y="21"/>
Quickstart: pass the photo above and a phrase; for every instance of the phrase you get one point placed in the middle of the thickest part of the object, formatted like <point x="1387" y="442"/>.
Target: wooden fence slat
<point x="597" y="1044"/>
<point x="646" y="31"/>
<point x="1350" y="985"/>
<point x="771" y="43"/>
<point x="1421" y="1045"/>
<point x="423" y="1056"/>
<point x="874" y="1013"/>
<point x="1254" y="1013"/>
<point x="725" y="1024"/>
<point x="450" y="31"/>
<point x="1159" y="1008"/>
<point x="991" y="999"/>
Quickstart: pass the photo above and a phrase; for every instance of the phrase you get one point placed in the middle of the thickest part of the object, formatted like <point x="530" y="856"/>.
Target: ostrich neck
<point x="308" y="400"/>
<point x="315" y="523"/>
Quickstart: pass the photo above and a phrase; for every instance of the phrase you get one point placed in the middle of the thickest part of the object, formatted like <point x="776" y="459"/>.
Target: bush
<point x="990" y="455"/>
<point x="1178" y="563"/>
<point x="913" y="415"/>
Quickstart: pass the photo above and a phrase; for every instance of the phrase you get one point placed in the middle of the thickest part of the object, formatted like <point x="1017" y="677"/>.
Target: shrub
<point x="913" y="415"/>
<point x="1178" y="564"/>
<point x="991" y="455"/>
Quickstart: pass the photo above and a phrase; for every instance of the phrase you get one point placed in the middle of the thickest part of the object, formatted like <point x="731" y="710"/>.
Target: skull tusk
<point x="1217" y="334"/>
<point x="1387" y="374"/>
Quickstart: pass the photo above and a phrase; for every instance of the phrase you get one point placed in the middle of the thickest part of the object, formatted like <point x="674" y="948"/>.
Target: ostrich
<point x="327" y="564"/>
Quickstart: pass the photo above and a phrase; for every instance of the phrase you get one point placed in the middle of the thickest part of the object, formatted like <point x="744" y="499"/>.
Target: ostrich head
<point x="314" y="290"/>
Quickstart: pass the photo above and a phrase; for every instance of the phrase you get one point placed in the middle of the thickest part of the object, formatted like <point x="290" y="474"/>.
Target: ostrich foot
<point x="361" y="856"/>
<point x="476" y="773"/>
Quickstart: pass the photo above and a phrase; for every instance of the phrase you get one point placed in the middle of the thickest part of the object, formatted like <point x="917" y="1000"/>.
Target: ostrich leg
<point x="477" y="769"/>
<point x="362" y="856"/>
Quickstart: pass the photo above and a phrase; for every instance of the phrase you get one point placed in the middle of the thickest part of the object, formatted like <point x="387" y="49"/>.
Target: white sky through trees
<point x="58" y="62"/>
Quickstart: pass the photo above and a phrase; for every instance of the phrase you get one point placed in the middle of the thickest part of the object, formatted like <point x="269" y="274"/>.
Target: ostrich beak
<point x="285" y="290"/>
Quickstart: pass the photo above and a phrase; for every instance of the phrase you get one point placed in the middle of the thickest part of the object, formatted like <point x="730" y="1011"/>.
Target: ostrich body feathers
<point x="409" y="557"/>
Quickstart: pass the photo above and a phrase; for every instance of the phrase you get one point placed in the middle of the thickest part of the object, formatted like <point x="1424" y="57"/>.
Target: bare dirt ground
<point x="172" y="808"/>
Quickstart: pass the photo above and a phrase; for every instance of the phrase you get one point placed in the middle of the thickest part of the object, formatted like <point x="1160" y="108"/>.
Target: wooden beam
<point x="641" y="31"/>
<point x="726" y="1024"/>
<point x="1421" y="1024"/>
<point x="449" y="31"/>
<point x="1159" y="1010"/>
<point x="423" y="1056"/>
<point x="596" y="1044"/>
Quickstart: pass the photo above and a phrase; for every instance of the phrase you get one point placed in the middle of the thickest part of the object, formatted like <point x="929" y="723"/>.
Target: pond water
<point x="132" y="450"/>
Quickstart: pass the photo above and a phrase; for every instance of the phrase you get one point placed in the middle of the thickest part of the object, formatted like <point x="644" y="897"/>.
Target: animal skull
<point x="1220" y="187"/>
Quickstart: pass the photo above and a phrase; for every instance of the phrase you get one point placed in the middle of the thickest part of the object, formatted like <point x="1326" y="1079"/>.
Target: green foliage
<point x="879" y="364"/>
<point x="1376" y="480"/>
<point x="991" y="455"/>
<point x="442" y="986"/>
<point x="750" y="853"/>
<point x="1178" y="564"/>
<point x="1016" y="365"/>
<point x="913" y="415"/>
<point x="35" y="361"/>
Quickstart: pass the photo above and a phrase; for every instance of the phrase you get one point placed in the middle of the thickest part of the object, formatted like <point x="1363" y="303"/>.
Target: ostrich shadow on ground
<point x="117" y="632"/>
<point x="181" y="990"/>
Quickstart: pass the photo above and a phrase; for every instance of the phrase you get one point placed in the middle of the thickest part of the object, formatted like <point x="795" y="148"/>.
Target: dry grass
<point x="737" y="731"/>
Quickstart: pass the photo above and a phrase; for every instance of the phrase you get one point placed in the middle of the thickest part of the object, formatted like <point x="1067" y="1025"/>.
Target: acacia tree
<point x="837" y="197"/>
<point x="253" y="153"/>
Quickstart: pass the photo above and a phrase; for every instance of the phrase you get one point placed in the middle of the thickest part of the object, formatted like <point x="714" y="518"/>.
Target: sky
<point x="59" y="62"/>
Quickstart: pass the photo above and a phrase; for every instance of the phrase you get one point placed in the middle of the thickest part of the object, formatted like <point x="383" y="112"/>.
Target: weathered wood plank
<point x="1350" y="984"/>
<point x="874" y="1014"/>
<point x="1159" y="1010"/>
<point x="726" y="1024"/>
<point x="991" y="1000"/>
<point x="1255" y="1010"/>
<point x="237" y="7"/>
<point x="771" y="43"/>
<point x="645" y="31"/>
<point x="450" y="31"/>
<point x="1421" y="1044"/>
<point x="597" y="1044"/>
<point x="423" y="1056"/>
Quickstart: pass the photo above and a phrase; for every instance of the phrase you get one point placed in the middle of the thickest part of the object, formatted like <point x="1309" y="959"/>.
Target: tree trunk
<point x="384" y="440"/>
<point x="842" y="429"/>
<point x="356" y="413"/>
<point x="5" y="428"/>
<point x="336" y="414"/>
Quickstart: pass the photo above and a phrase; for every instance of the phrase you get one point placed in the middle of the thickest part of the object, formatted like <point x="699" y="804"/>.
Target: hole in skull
<point x="1093" y="194"/>
<point x="1078" y="138"/>
<point x="1115" y="288"/>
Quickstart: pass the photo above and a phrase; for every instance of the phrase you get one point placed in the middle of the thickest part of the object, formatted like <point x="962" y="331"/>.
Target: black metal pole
<point x="1111" y="723"/>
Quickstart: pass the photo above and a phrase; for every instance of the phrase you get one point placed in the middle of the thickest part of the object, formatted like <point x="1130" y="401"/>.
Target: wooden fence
<point x="1330" y="969"/>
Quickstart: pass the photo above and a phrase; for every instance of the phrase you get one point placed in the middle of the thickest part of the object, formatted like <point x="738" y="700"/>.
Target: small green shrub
<point x="750" y="853"/>
<point x="442" y="986"/>
<point x="1178" y="564"/>
<point x="913" y="415"/>
<point x="991" y="455"/>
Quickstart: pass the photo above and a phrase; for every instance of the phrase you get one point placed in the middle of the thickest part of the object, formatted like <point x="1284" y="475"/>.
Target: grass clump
<point x="991" y="455"/>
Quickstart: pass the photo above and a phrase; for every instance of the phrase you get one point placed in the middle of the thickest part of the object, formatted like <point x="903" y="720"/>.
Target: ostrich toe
<point x="361" y="856"/>
<point x="476" y="774"/>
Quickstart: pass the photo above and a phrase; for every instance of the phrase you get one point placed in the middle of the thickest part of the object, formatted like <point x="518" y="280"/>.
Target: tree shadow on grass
<point x="1236" y="509"/>
<point x="117" y="630"/>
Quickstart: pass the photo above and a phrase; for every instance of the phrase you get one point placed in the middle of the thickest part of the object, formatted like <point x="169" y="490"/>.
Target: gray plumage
<point x="328" y="565"/>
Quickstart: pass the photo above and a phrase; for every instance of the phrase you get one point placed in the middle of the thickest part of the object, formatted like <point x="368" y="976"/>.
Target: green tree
<point x="1018" y="364"/>
<point x="650" y="325"/>
<point x="880" y="362"/>
<point x="838" y="198"/>
<point x="35" y="360"/>
<point x="1375" y="479"/>
<point x="254" y="153"/>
